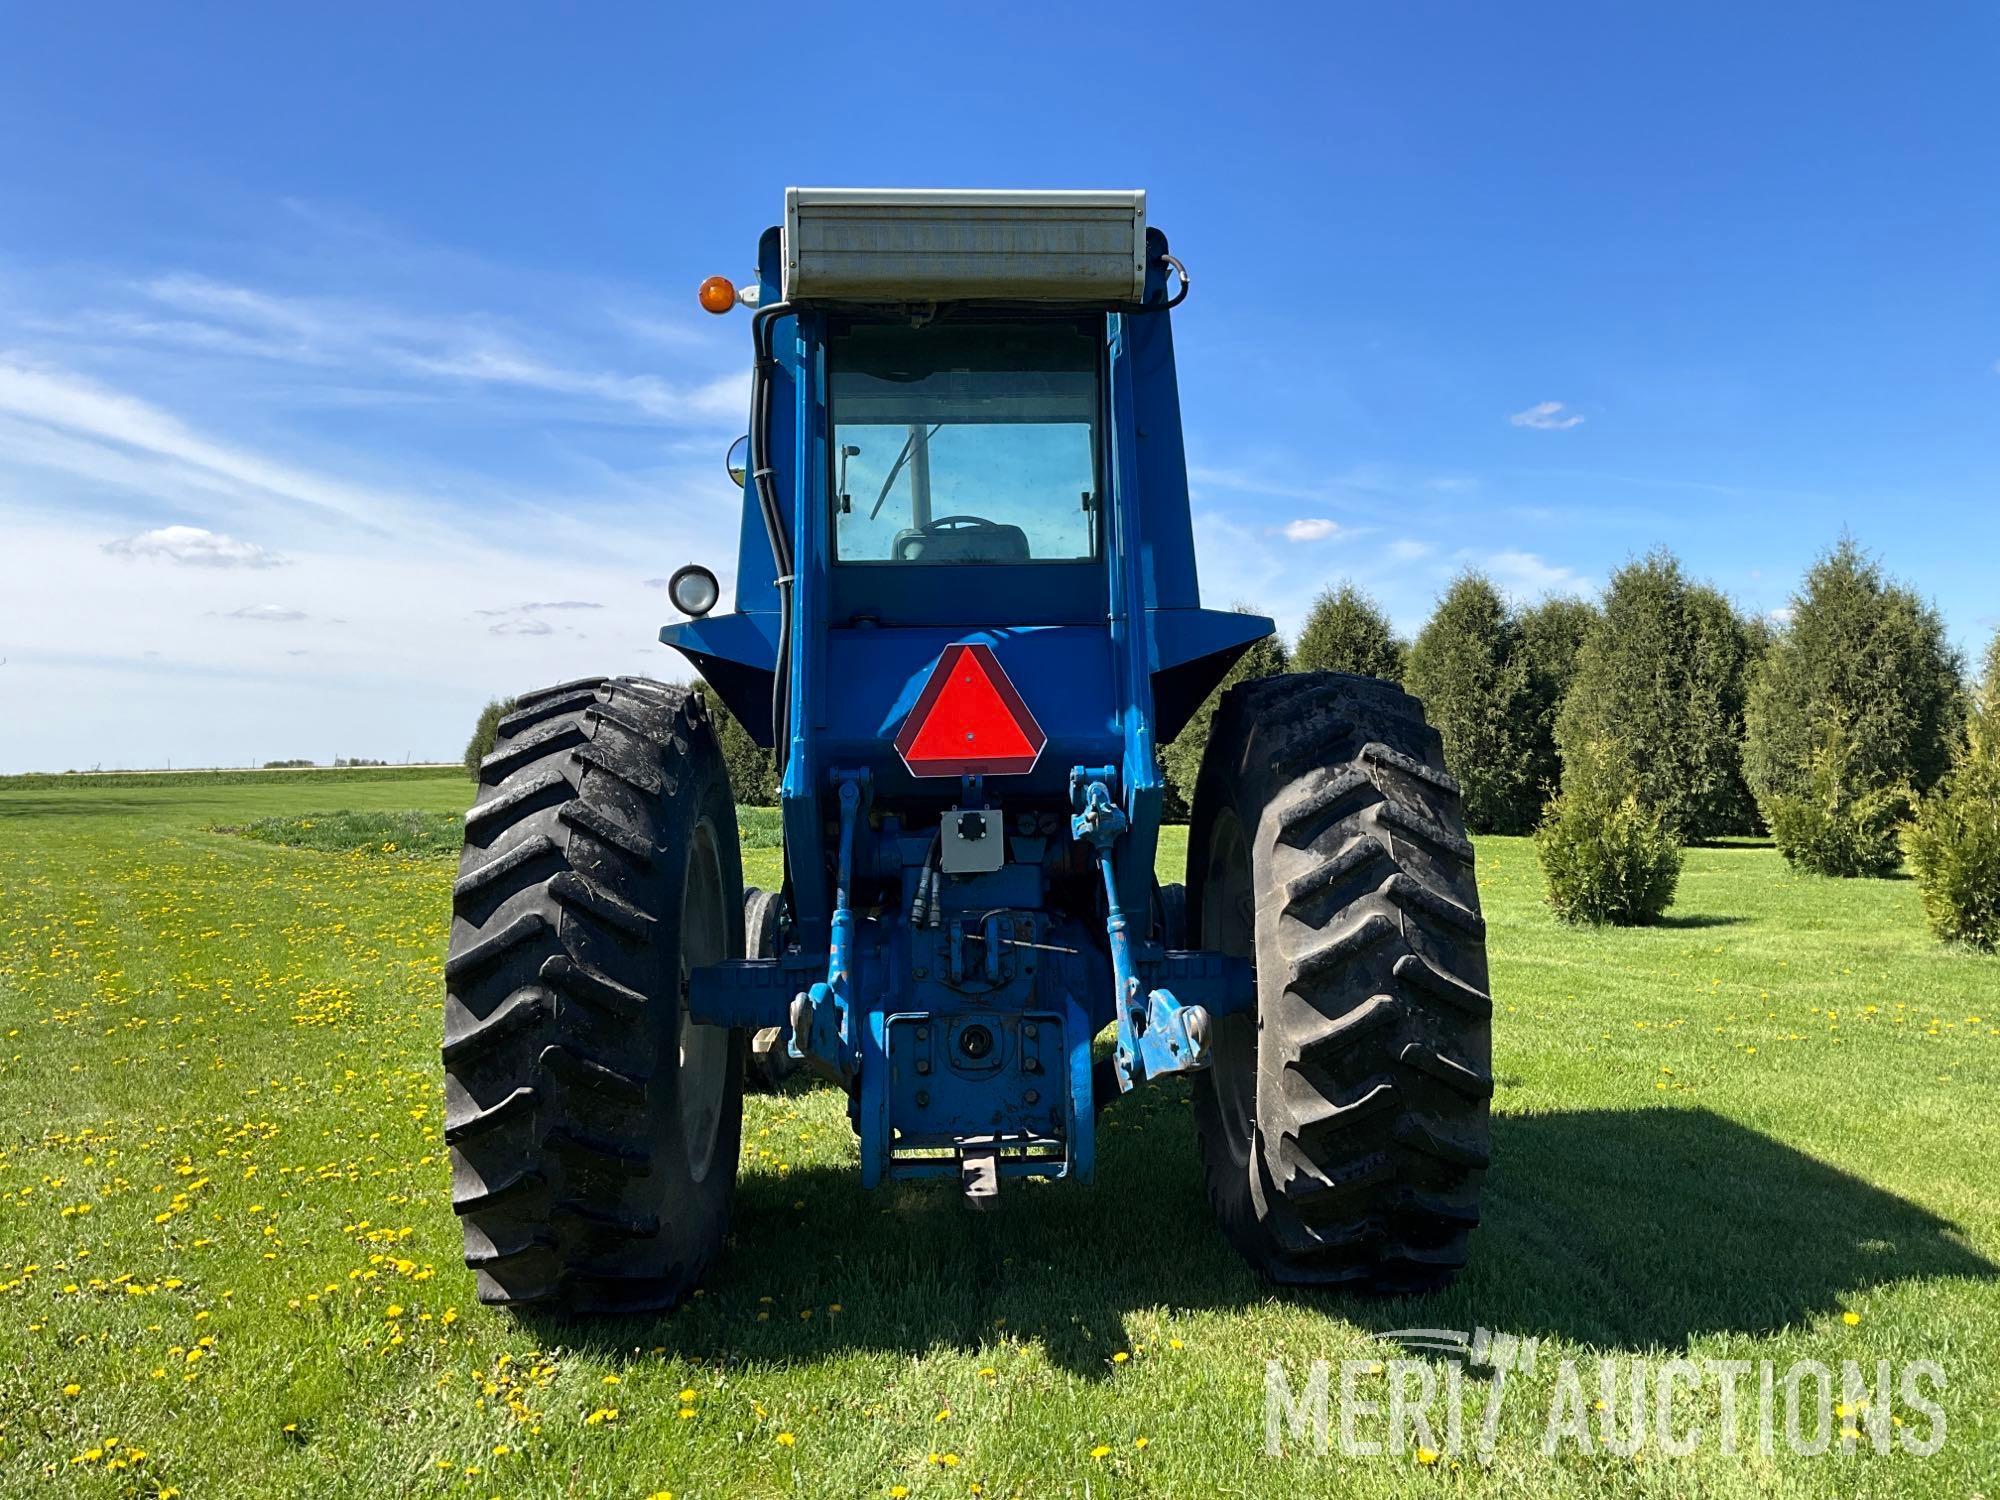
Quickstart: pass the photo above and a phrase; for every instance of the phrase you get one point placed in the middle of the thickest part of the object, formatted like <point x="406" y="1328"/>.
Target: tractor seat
<point x="972" y="539"/>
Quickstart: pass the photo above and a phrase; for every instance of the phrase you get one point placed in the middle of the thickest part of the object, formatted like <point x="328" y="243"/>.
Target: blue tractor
<point x="965" y="617"/>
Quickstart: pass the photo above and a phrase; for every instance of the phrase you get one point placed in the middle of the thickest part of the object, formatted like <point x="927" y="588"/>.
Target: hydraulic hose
<point x="764" y="479"/>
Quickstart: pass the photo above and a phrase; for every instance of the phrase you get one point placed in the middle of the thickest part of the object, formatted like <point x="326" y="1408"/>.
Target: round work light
<point x="693" y="590"/>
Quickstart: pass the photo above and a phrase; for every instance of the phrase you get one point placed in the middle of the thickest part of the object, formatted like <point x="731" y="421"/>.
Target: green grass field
<point x="228" y="1265"/>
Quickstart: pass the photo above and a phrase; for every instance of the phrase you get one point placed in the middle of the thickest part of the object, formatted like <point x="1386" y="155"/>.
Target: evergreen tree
<point x="1954" y="843"/>
<point x="753" y="772"/>
<point x="1729" y="644"/>
<point x="484" y="733"/>
<point x="1552" y="635"/>
<point x="1180" y="758"/>
<point x="1346" y="631"/>
<point x="1470" y="670"/>
<point x="1866" y="661"/>
<point x="1661" y="675"/>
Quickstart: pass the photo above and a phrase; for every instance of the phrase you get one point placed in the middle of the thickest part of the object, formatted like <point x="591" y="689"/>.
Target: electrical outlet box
<point x="972" y="841"/>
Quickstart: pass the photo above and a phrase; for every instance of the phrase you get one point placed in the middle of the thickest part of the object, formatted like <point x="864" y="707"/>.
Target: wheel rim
<point x="704" y="1050"/>
<point x="1228" y="925"/>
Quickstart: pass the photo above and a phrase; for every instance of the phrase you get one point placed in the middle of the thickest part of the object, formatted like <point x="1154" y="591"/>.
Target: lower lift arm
<point x="1157" y="1034"/>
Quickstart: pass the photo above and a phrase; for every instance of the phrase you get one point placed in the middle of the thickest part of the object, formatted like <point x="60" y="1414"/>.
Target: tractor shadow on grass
<point x="1652" y="1227"/>
<point x="1617" y="1228"/>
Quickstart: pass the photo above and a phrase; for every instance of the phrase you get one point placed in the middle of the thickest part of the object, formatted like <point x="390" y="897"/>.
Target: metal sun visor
<point x="924" y="244"/>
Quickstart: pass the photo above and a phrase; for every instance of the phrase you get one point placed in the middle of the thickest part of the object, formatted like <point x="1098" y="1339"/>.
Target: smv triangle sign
<point x="969" y="720"/>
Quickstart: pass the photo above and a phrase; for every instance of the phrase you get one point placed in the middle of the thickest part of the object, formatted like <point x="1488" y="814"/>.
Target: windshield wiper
<point x="909" y="447"/>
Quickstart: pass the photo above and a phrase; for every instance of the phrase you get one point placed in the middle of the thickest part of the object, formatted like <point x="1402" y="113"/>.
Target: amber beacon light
<point x="717" y="294"/>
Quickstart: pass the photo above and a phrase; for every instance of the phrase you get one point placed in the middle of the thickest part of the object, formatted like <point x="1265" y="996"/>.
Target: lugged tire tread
<point x="1370" y="1065"/>
<point x="591" y="986"/>
<point x="1356" y="854"/>
<point x="580" y="891"/>
<point x="1439" y="839"/>
<point x="526" y="1007"/>
<point x="555" y="690"/>
<point x="509" y="1190"/>
<point x="552" y="1029"/>
<point x="511" y="757"/>
<point x="498" y="868"/>
<point x="595" y="820"/>
<point x="504" y="807"/>
<point x="637" y="776"/>
<point x="491" y="949"/>
<point x="548" y="707"/>
<point x="1414" y="970"/>
<point x="480" y="1121"/>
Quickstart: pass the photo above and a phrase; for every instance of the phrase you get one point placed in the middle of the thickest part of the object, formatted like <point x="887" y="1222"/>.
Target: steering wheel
<point x="951" y="525"/>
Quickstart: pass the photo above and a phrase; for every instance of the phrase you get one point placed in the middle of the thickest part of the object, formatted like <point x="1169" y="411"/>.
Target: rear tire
<point x="594" y="1129"/>
<point x="1343" y="1126"/>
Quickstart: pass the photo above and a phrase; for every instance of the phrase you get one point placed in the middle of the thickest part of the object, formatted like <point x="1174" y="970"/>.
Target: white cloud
<point x="1309" y="529"/>
<point x="1408" y="550"/>
<point x="410" y="469"/>
<point x="270" y="614"/>
<point x="1782" y="615"/>
<point x="1528" y="574"/>
<point x="469" y="349"/>
<point x="195" y="546"/>
<point x="1546" y="416"/>
<point x="55" y="404"/>
<point x="526" y="619"/>
<point x="537" y="608"/>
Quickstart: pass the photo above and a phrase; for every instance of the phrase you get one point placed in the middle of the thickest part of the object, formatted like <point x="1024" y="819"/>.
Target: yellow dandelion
<point x="786" y="1440"/>
<point x="1427" y="1455"/>
<point x="1102" y="1450"/>
<point x="1850" y="1318"/>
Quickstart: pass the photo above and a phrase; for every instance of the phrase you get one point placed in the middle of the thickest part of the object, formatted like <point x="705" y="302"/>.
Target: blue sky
<point x="350" y="370"/>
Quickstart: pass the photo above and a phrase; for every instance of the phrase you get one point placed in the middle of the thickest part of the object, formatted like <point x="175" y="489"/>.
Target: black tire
<point x="594" y="1131"/>
<point x="766" y="1063"/>
<point x="1171" y="919"/>
<point x="1343" y="1126"/>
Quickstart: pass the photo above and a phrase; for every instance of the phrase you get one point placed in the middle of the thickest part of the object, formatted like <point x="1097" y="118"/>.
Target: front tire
<point x="1343" y="1126"/>
<point x="766" y="1063"/>
<point x="594" y="1128"/>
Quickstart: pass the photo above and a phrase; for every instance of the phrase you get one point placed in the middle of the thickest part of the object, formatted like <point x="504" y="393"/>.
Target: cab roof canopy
<point x="964" y="244"/>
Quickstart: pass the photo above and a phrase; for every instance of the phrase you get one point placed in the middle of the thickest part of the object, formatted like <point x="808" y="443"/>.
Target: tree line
<point x="1661" y="715"/>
